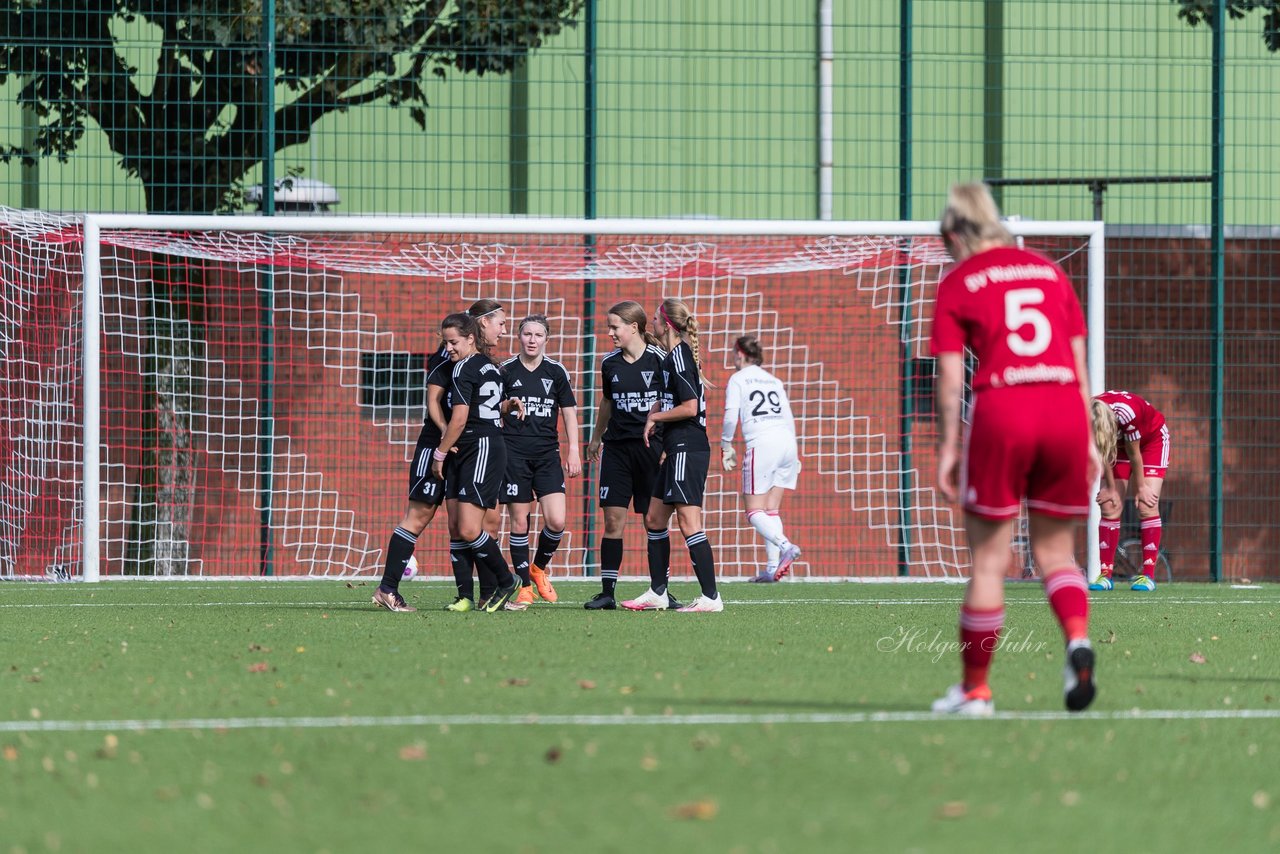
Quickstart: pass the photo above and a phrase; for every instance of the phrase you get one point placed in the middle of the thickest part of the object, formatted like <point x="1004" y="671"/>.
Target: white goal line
<point x="763" y="719"/>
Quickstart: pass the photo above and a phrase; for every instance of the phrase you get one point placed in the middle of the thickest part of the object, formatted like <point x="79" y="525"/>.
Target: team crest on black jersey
<point x="546" y="384"/>
<point x="648" y="377"/>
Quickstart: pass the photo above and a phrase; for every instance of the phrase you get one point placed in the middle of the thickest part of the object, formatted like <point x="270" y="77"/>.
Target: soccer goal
<point x="240" y="396"/>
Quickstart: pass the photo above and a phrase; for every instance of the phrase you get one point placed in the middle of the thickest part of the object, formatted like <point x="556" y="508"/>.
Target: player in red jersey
<point x="1027" y="437"/>
<point x="1117" y="415"/>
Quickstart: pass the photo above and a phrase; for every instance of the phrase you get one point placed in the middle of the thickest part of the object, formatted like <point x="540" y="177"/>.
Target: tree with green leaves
<point x="1202" y="11"/>
<point x="189" y="124"/>
<point x="190" y="127"/>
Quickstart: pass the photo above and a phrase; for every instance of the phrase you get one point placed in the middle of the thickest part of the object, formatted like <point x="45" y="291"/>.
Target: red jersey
<point x="1139" y="420"/>
<point x="1016" y="310"/>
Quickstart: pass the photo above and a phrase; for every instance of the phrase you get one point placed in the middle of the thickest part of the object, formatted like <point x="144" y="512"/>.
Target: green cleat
<point x="460" y="605"/>
<point x="1143" y="582"/>
<point x="500" y="598"/>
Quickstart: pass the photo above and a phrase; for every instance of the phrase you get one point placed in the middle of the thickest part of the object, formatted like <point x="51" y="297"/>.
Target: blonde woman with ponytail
<point x="1124" y="417"/>
<point x="1026" y="438"/>
<point x="682" y="480"/>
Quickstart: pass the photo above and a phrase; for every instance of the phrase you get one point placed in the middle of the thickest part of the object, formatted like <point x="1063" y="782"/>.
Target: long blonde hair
<point x="972" y="218"/>
<point x="1105" y="434"/>
<point x="678" y="316"/>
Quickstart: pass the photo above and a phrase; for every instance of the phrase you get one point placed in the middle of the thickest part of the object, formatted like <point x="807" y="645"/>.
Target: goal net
<point x="252" y="389"/>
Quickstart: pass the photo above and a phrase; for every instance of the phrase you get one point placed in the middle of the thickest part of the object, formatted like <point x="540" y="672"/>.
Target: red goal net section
<point x="236" y="396"/>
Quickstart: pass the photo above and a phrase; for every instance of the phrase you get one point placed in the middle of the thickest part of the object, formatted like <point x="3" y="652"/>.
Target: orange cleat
<point x="542" y="584"/>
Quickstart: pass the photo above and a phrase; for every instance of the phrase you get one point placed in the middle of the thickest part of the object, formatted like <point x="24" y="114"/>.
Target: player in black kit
<point x="533" y="456"/>
<point x="491" y="321"/>
<point x="631" y="378"/>
<point x="682" y="480"/>
<point x="426" y="493"/>
<point x="474" y="434"/>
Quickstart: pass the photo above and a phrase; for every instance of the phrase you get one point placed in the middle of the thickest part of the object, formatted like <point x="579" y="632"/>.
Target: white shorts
<point x="772" y="462"/>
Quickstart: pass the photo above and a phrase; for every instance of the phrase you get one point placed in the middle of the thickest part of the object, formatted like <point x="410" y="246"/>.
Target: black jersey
<point x="544" y="390"/>
<point x="439" y="369"/>
<point x="680" y="383"/>
<point x="632" y="388"/>
<point x="477" y="383"/>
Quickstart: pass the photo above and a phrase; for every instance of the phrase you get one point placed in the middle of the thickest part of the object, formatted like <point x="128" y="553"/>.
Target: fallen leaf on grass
<point x="586" y="684"/>
<point x="517" y="681"/>
<point x="553" y="755"/>
<point x="953" y="809"/>
<point x="1110" y="638"/>
<point x="258" y="667"/>
<point x="110" y="746"/>
<point x="413" y="752"/>
<point x="703" y="810"/>
<point x="10" y="753"/>
<point x="1197" y="658"/>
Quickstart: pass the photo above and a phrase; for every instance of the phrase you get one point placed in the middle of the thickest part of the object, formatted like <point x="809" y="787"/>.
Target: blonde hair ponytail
<point x="677" y="314"/>
<point x="972" y="218"/>
<point x="1105" y="433"/>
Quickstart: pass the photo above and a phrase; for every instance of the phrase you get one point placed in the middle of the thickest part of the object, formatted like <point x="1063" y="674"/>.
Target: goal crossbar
<point x="95" y="225"/>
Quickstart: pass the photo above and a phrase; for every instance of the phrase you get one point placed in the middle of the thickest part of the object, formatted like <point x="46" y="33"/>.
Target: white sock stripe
<point x="694" y="539"/>
<point x="1153" y="522"/>
<point x="1063" y="579"/>
<point x="981" y="622"/>
<point x="659" y="535"/>
<point x="479" y="542"/>
<point x="1110" y="524"/>
<point x="518" y="539"/>
<point x="552" y="535"/>
<point x="405" y="535"/>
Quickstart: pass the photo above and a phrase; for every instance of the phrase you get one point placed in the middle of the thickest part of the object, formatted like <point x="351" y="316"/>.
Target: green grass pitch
<point x="294" y="716"/>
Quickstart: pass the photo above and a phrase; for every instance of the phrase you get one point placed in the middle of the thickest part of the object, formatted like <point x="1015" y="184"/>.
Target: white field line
<point x="385" y="721"/>
<point x="1142" y="601"/>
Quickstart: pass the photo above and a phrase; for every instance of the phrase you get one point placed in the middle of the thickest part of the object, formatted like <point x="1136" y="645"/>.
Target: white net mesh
<point x="247" y="405"/>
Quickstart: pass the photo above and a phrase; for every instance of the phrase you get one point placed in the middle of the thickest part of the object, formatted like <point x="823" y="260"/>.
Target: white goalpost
<point x="245" y="402"/>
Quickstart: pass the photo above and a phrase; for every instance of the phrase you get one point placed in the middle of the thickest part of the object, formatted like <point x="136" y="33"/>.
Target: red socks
<point x="979" y="635"/>
<point x="1108" y="539"/>
<point x="1151" y="530"/>
<point x="1069" y="598"/>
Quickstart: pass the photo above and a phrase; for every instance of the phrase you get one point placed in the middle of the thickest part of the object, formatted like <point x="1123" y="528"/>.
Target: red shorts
<point x="1027" y="442"/>
<point x="1155" y="457"/>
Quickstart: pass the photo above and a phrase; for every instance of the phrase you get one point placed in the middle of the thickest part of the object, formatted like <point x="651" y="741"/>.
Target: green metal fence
<point x="732" y="108"/>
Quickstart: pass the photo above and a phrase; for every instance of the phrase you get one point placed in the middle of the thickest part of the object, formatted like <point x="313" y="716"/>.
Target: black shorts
<point x="683" y="477"/>
<point x="532" y="477"/>
<point x="480" y="470"/>
<point x="627" y="471"/>
<point x="424" y="487"/>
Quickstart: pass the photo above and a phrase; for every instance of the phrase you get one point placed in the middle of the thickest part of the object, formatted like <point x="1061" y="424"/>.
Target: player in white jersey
<point x="771" y="462"/>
